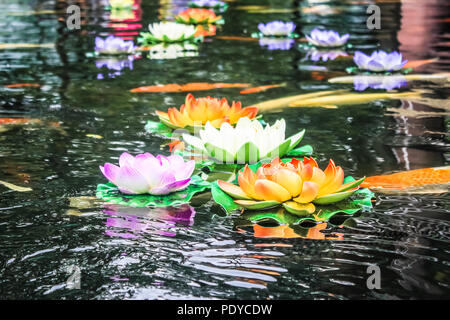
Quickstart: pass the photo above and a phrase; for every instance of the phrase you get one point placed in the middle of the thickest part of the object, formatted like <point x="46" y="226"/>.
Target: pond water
<point x="83" y="115"/>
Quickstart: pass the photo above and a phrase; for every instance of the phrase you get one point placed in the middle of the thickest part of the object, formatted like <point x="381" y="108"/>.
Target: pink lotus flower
<point x="148" y="174"/>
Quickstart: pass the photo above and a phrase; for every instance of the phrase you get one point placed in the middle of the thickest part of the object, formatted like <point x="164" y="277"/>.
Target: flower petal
<point x="335" y="197"/>
<point x="256" y="205"/>
<point x="298" y="208"/>
<point x="269" y="190"/>
<point x="309" y="192"/>
<point x="232" y="190"/>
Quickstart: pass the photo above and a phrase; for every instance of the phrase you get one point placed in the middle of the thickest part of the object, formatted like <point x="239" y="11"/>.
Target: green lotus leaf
<point x="110" y="193"/>
<point x="158" y="128"/>
<point x="247" y="153"/>
<point x="299" y="209"/>
<point x="223" y="199"/>
<point x="256" y="205"/>
<point x="279" y="151"/>
<point x="219" y="154"/>
<point x="302" y="151"/>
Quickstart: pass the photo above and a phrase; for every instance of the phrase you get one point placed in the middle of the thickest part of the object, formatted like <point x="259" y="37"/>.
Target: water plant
<point x="326" y="38"/>
<point x="248" y="142"/>
<point x="168" y="32"/>
<point x="296" y="185"/>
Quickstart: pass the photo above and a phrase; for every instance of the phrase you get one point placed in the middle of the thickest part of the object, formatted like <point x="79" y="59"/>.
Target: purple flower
<point x="317" y="55"/>
<point x="379" y="61"/>
<point x="363" y="82"/>
<point x="114" y="45"/>
<point x="327" y="38"/>
<point x="148" y="174"/>
<point x="277" y="28"/>
<point x="276" y="44"/>
<point x="207" y="3"/>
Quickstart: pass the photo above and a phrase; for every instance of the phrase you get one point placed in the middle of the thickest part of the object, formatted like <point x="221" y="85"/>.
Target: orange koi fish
<point x="237" y="38"/>
<point x="23" y="85"/>
<point x="194" y="86"/>
<point x="18" y="120"/>
<point x="409" y="179"/>
<point x="417" y="63"/>
<point x="261" y="88"/>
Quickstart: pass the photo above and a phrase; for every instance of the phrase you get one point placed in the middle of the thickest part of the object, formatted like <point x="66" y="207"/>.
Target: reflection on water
<point x="190" y="252"/>
<point x="146" y="220"/>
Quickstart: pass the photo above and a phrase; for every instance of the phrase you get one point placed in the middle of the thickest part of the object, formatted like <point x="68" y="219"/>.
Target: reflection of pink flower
<point x="136" y="221"/>
<point x="276" y="43"/>
<point x="126" y="22"/>
<point x="317" y="55"/>
<point x="114" y="65"/>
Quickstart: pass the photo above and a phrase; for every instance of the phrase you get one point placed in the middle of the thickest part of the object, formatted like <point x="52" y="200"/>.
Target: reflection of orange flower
<point x="285" y="232"/>
<point x="205" y="30"/>
<point x="296" y="185"/>
<point x="198" y="16"/>
<point x="201" y="110"/>
<point x="282" y="231"/>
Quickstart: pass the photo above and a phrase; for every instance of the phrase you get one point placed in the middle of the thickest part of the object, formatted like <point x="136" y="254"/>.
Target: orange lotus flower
<point x="198" y="16"/>
<point x="201" y="110"/>
<point x="205" y="30"/>
<point x="296" y="185"/>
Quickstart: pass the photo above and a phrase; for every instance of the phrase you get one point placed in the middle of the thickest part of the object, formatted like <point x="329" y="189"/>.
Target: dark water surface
<point x="191" y="252"/>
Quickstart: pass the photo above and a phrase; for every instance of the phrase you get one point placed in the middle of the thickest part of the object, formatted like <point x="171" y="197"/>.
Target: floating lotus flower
<point x="114" y="66"/>
<point x="198" y="16"/>
<point x="212" y="4"/>
<point x="199" y="111"/>
<point x="276" y="44"/>
<point x="317" y="55"/>
<point x="327" y="38"/>
<point x="148" y="174"/>
<point x="379" y="61"/>
<point x="168" y="32"/>
<point x="114" y="45"/>
<point x="277" y="29"/>
<point x="296" y="185"/>
<point x="205" y="30"/>
<point x="173" y="51"/>
<point x="362" y="82"/>
<point x="248" y="142"/>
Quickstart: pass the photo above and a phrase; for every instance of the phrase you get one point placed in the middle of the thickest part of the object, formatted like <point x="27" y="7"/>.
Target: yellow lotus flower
<point x="199" y="111"/>
<point x="297" y="185"/>
<point x="198" y="16"/>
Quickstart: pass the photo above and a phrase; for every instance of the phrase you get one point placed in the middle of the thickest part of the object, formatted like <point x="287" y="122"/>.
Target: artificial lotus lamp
<point x="296" y="185"/>
<point x="168" y="32"/>
<point x="326" y="38"/>
<point x="147" y="174"/>
<point x="113" y="45"/>
<point x="248" y="142"/>
<point x="276" y="29"/>
<point x="198" y="16"/>
<point x="379" y="61"/>
<point x="198" y="112"/>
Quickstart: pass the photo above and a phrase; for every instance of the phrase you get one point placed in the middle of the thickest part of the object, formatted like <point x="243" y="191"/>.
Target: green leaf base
<point x="110" y="193"/>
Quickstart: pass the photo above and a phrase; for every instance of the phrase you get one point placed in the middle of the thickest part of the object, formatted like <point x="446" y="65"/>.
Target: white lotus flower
<point x="248" y="142"/>
<point x="171" y="31"/>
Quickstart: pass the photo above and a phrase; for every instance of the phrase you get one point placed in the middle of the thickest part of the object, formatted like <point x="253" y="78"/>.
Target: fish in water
<point x="262" y="88"/>
<point x="23" y="85"/>
<point x="417" y="63"/>
<point x="194" y="86"/>
<point x="427" y="180"/>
